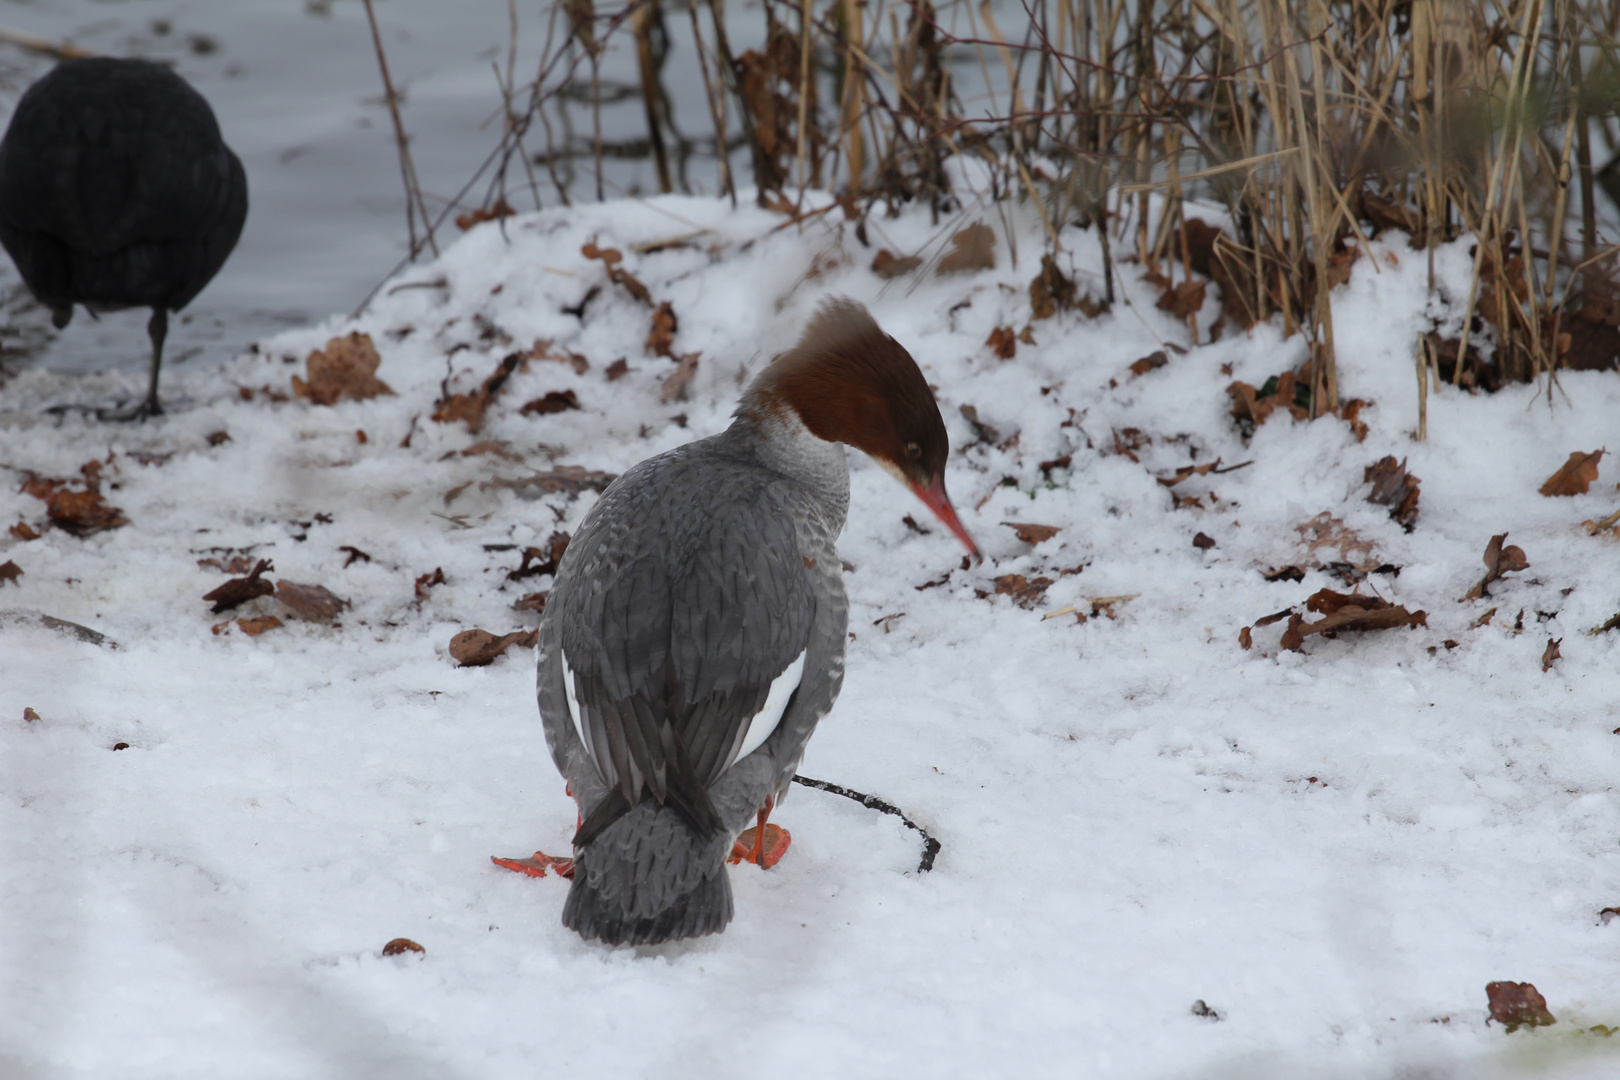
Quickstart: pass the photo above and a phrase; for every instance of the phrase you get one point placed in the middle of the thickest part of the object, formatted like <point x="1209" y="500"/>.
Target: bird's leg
<point x="763" y="845"/>
<point x="537" y="864"/>
<point x="157" y="328"/>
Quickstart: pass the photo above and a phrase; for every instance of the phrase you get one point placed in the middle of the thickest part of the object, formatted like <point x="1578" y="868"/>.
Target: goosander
<point x="695" y="633"/>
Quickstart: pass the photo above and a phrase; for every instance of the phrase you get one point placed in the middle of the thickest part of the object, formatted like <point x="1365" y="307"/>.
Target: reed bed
<point x="1253" y="143"/>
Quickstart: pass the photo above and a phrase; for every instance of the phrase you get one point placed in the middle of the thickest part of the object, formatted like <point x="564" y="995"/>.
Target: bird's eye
<point x="914" y="450"/>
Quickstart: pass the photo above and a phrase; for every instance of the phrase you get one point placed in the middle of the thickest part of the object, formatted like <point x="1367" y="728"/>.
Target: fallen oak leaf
<point x="238" y="591"/>
<point x="610" y="258"/>
<point x="24" y="531"/>
<point x="1575" y="476"/>
<point x="535" y="602"/>
<point x="427" y="581"/>
<point x="1203" y="542"/>
<point x="470" y="408"/>
<point x="354" y="553"/>
<point x="555" y="401"/>
<point x="477" y="648"/>
<point x="255" y="626"/>
<point x="1149" y="363"/>
<point x="399" y="946"/>
<point x="544" y="560"/>
<point x="618" y="369"/>
<point x="1025" y="593"/>
<point x="1051" y="291"/>
<point x="10" y="572"/>
<point x="1517" y="1005"/>
<point x="1394" y="487"/>
<point x="971" y="249"/>
<point x="314" y="603"/>
<point x="1031" y="533"/>
<point x="1499" y="560"/>
<point x="346" y="368"/>
<point x="1347" y="612"/>
<point x="1550" y="654"/>
<point x="888" y="266"/>
<point x="661" y="338"/>
<point x="1184" y="300"/>
<point x="674" y="386"/>
<point x="82" y="513"/>
<point x="1003" y="341"/>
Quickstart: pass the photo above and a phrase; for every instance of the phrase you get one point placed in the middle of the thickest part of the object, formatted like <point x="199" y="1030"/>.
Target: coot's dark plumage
<point x="116" y="191"/>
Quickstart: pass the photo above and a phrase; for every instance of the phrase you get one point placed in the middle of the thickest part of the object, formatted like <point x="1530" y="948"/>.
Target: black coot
<point x="116" y="191"/>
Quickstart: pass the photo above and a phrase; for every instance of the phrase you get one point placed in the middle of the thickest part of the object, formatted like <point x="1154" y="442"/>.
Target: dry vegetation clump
<point x="1315" y="125"/>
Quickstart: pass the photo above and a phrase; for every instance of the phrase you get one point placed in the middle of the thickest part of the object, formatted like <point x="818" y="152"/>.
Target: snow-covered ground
<point x="1335" y="850"/>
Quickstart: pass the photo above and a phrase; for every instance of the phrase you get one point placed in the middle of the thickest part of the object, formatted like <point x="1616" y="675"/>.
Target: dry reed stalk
<point x="415" y="204"/>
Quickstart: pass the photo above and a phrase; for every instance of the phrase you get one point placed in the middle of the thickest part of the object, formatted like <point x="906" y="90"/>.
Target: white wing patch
<point x="765" y="721"/>
<point x="573" y="705"/>
<point x="759" y="728"/>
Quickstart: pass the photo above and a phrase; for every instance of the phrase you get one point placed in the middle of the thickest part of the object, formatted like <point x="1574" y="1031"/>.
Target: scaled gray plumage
<point x="699" y="577"/>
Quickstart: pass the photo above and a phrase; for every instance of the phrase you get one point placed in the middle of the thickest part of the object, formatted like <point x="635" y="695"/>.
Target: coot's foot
<point x="139" y="411"/>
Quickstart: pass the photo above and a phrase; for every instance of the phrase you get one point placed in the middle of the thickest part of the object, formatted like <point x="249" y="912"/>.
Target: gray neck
<point x="778" y="441"/>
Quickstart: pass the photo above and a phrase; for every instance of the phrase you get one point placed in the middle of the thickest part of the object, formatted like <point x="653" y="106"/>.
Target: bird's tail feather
<point x="649" y="878"/>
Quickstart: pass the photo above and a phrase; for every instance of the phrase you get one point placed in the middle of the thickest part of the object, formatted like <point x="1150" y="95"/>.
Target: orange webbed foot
<point x="537" y="865"/>
<point x="767" y="852"/>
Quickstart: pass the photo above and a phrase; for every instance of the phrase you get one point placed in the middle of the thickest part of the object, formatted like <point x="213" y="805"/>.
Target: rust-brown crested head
<point x="849" y="382"/>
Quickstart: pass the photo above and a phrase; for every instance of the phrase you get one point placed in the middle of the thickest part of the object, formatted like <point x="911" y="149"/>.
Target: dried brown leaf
<point x="315" y="603"/>
<point x="1203" y="541"/>
<point x="661" y="338"/>
<point x="255" y="626"/>
<point x="535" y="602"/>
<point x="10" y="572"/>
<point x="481" y="215"/>
<point x="1551" y="653"/>
<point x="1326" y="532"/>
<point x="887" y="265"/>
<point x="24" y="531"/>
<point x="555" y="401"/>
<point x="401" y="945"/>
<point x="1051" y="291"/>
<point x="1148" y="363"/>
<point x="1183" y="300"/>
<point x="1517" y="1005"/>
<point x="82" y="513"/>
<point x="1343" y="611"/>
<point x="354" y="553"/>
<point x="618" y="369"/>
<point x="1245" y="639"/>
<point x="427" y="581"/>
<point x="1025" y="593"/>
<point x="476" y="648"/>
<point x="971" y="249"/>
<point x="1033" y="534"/>
<point x="674" y="386"/>
<point x="1394" y="487"/>
<point x="541" y="560"/>
<point x="471" y="408"/>
<point x="346" y="368"/>
<point x="1003" y="341"/>
<point x="239" y="591"/>
<point x="1498" y="560"/>
<point x="1576" y="475"/>
<point x="610" y="258"/>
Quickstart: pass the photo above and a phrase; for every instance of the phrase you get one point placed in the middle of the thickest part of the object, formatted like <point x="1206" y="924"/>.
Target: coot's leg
<point x="157" y="329"/>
